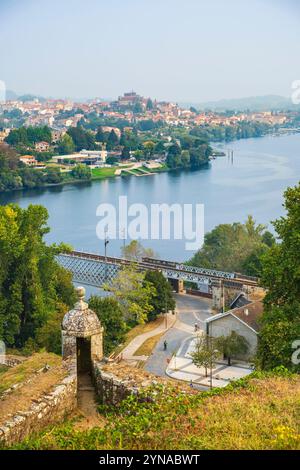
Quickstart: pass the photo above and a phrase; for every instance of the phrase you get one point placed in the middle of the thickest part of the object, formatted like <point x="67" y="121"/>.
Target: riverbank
<point x="99" y="174"/>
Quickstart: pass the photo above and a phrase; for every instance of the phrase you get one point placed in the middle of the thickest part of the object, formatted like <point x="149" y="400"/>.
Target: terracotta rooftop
<point x="250" y="314"/>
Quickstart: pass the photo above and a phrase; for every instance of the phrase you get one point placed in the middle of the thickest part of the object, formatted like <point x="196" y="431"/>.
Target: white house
<point x="243" y="320"/>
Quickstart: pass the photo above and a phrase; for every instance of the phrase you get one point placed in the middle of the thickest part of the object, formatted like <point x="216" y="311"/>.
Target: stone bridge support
<point x="223" y="293"/>
<point x="177" y="285"/>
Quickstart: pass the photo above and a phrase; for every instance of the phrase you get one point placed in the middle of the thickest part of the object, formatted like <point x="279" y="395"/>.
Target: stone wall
<point x="116" y="381"/>
<point x="10" y="360"/>
<point x="109" y="388"/>
<point x="48" y="409"/>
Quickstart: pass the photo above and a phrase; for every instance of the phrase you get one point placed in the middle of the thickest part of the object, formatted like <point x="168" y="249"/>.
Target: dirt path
<point x="87" y="404"/>
<point x="21" y="399"/>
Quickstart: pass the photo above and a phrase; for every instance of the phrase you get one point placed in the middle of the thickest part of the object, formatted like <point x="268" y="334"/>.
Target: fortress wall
<point x="47" y="410"/>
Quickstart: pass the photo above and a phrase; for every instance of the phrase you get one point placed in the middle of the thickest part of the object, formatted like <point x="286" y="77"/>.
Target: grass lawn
<point x="136" y="331"/>
<point x="147" y="347"/>
<point x="101" y="173"/>
<point x="3" y="369"/>
<point x="257" y="413"/>
<point x="22" y="371"/>
<point x="163" y="167"/>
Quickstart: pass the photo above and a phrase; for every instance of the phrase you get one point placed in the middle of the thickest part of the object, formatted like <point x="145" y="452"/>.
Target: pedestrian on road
<point x="196" y="326"/>
<point x="165" y="345"/>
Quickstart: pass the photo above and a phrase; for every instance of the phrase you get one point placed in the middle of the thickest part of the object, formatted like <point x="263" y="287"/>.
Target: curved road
<point x="191" y="310"/>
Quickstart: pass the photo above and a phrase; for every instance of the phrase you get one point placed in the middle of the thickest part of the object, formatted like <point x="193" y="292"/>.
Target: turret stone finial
<point x="80" y="304"/>
<point x="80" y="291"/>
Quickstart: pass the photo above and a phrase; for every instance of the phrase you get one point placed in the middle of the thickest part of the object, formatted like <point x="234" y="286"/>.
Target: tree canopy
<point x="235" y="247"/>
<point x="163" y="300"/>
<point x="281" y="278"/>
<point x="135" y="251"/>
<point x="111" y="317"/>
<point x="133" y="293"/>
<point x="32" y="283"/>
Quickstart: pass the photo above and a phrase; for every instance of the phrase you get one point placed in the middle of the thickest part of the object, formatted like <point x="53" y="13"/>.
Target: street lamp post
<point x="106" y="242"/>
<point x="166" y="311"/>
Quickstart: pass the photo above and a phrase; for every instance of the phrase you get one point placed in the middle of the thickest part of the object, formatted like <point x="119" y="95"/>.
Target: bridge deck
<point x="97" y="269"/>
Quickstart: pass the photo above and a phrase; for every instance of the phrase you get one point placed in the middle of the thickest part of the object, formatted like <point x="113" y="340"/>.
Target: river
<point x="252" y="183"/>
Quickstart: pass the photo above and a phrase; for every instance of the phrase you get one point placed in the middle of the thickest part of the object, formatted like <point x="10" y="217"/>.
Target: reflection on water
<point x="251" y="183"/>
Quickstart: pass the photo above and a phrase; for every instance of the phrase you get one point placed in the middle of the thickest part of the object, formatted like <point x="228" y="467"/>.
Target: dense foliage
<point x="281" y="277"/>
<point x="163" y="300"/>
<point x="235" y="247"/>
<point x="232" y="346"/>
<point x="135" y="251"/>
<point x="133" y="294"/>
<point x="112" y="319"/>
<point x="16" y="175"/>
<point x="28" y="136"/>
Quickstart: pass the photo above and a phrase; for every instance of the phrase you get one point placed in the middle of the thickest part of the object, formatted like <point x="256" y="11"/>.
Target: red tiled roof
<point x="250" y="314"/>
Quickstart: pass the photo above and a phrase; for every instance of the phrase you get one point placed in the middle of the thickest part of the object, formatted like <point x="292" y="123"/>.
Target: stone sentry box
<point x="82" y="333"/>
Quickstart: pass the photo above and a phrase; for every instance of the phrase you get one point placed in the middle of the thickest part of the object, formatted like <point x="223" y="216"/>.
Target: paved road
<point x="191" y="310"/>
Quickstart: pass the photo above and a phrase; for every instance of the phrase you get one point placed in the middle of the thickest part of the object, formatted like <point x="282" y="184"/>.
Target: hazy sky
<point x="182" y="50"/>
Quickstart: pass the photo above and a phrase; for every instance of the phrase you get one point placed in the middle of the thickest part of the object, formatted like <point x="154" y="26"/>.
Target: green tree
<point x="53" y="175"/>
<point x="233" y="345"/>
<point x="281" y="273"/>
<point x="280" y="329"/>
<point x="149" y="105"/>
<point x="125" y="155"/>
<point x="82" y="139"/>
<point x="199" y="155"/>
<point x="205" y="352"/>
<point x="29" y="273"/>
<point x="81" y="172"/>
<point x="174" y="156"/>
<point x="100" y="136"/>
<point x="234" y="247"/>
<point x="137" y="108"/>
<point x="135" y="251"/>
<point x="66" y="145"/>
<point x="48" y="336"/>
<point x="185" y="158"/>
<point x="149" y="147"/>
<point x="163" y="300"/>
<point x="281" y="278"/>
<point x="9" y="159"/>
<point x="112" y="140"/>
<point x="111" y="317"/>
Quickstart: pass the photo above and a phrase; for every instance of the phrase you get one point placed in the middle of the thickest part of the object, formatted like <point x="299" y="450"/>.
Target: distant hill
<point x="252" y="103"/>
<point x="11" y="95"/>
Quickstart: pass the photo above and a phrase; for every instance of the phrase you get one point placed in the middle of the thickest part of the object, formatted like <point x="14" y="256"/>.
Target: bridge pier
<point x="224" y="292"/>
<point x="177" y="285"/>
<point x="217" y="295"/>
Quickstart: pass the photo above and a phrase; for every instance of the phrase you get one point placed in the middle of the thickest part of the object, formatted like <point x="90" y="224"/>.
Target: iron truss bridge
<point x="96" y="270"/>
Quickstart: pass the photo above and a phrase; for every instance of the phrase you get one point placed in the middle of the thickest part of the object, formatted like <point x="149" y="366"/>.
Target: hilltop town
<point x="59" y="141"/>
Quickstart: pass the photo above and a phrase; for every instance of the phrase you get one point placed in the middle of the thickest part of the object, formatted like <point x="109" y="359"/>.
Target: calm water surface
<point x="253" y="183"/>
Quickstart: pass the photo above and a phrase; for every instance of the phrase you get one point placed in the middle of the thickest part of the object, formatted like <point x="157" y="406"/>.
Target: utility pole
<point x="124" y="239"/>
<point x="166" y="313"/>
<point x="223" y="297"/>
